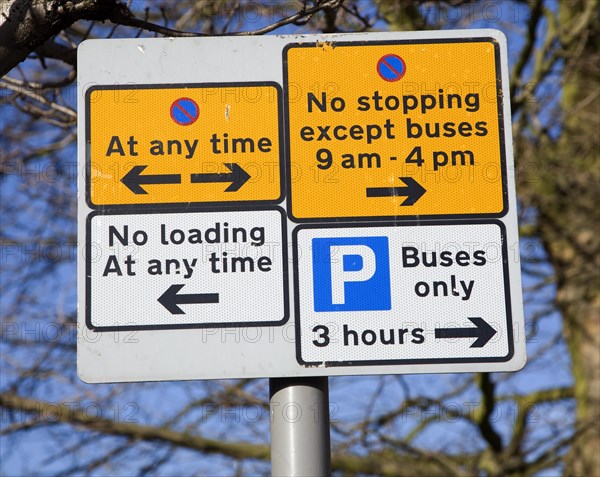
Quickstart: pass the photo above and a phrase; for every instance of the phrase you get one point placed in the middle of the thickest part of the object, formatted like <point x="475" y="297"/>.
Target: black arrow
<point x="237" y="177"/>
<point x="170" y="299"/>
<point x="413" y="191"/>
<point x="483" y="332"/>
<point x="133" y="179"/>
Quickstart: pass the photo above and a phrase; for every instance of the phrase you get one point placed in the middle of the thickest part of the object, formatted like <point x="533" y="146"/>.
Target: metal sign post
<point x="300" y="427"/>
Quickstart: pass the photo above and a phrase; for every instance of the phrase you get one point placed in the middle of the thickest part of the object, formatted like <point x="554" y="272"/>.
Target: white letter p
<point x="339" y="276"/>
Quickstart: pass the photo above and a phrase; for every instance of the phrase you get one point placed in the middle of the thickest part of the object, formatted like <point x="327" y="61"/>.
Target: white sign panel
<point x="186" y="270"/>
<point x="243" y="215"/>
<point x="403" y="295"/>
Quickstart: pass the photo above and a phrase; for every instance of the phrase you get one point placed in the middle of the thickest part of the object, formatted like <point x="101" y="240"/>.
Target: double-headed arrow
<point x="413" y="191"/>
<point x="483" y="332"/>
<point x="170" y="299"/>
<point x="134" y="179"/>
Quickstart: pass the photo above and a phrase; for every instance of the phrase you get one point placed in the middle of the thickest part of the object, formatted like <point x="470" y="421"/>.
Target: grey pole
<point x="300" y="427"/>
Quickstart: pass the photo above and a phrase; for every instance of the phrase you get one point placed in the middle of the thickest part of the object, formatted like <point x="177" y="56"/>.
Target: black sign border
<point x="377" y="362"/>
<point x="168" y="205"/>
<point x="182" y="326"/>
<point x="501" y="127"/>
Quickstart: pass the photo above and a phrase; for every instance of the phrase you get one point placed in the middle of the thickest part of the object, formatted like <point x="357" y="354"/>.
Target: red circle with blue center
<point x="184" y="111"/>
<point x="391" y="67"/>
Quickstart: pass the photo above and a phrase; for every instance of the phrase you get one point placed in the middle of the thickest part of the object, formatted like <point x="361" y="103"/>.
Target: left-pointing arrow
<point x="170" y="299"/>
<point x="133" y="179"/>
<point x="483" y="332"/>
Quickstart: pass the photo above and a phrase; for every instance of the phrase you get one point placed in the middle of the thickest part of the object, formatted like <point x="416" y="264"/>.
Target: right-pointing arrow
<point x="483" y="332"/>
<point x="413" y="191"/>
<point x="170" y="299"/>
<point x="238" y="177"/>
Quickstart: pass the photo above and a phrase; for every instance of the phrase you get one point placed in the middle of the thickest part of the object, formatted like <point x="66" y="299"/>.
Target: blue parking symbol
<point x="351" y="274"/>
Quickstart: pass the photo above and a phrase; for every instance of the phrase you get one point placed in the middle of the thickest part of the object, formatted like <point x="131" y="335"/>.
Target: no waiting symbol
<point x="184" y="111"/>
<point x="391" y="67"/>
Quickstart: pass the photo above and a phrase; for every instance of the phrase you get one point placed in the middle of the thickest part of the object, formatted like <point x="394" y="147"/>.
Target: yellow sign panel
<point x="201" y="144"/>
<point x="389" y="129"/>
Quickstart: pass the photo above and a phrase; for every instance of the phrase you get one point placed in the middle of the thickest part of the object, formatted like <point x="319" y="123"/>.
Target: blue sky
<point x="24" y="197"/>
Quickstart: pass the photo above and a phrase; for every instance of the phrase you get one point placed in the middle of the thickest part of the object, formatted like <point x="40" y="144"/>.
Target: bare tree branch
<point x="61" y="413"/>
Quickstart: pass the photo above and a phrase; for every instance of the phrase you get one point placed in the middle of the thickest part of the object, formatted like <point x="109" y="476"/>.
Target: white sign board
<point x="186" y="270"/>
<point x="376" y="295"/>
<point x="249" y="215"/>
